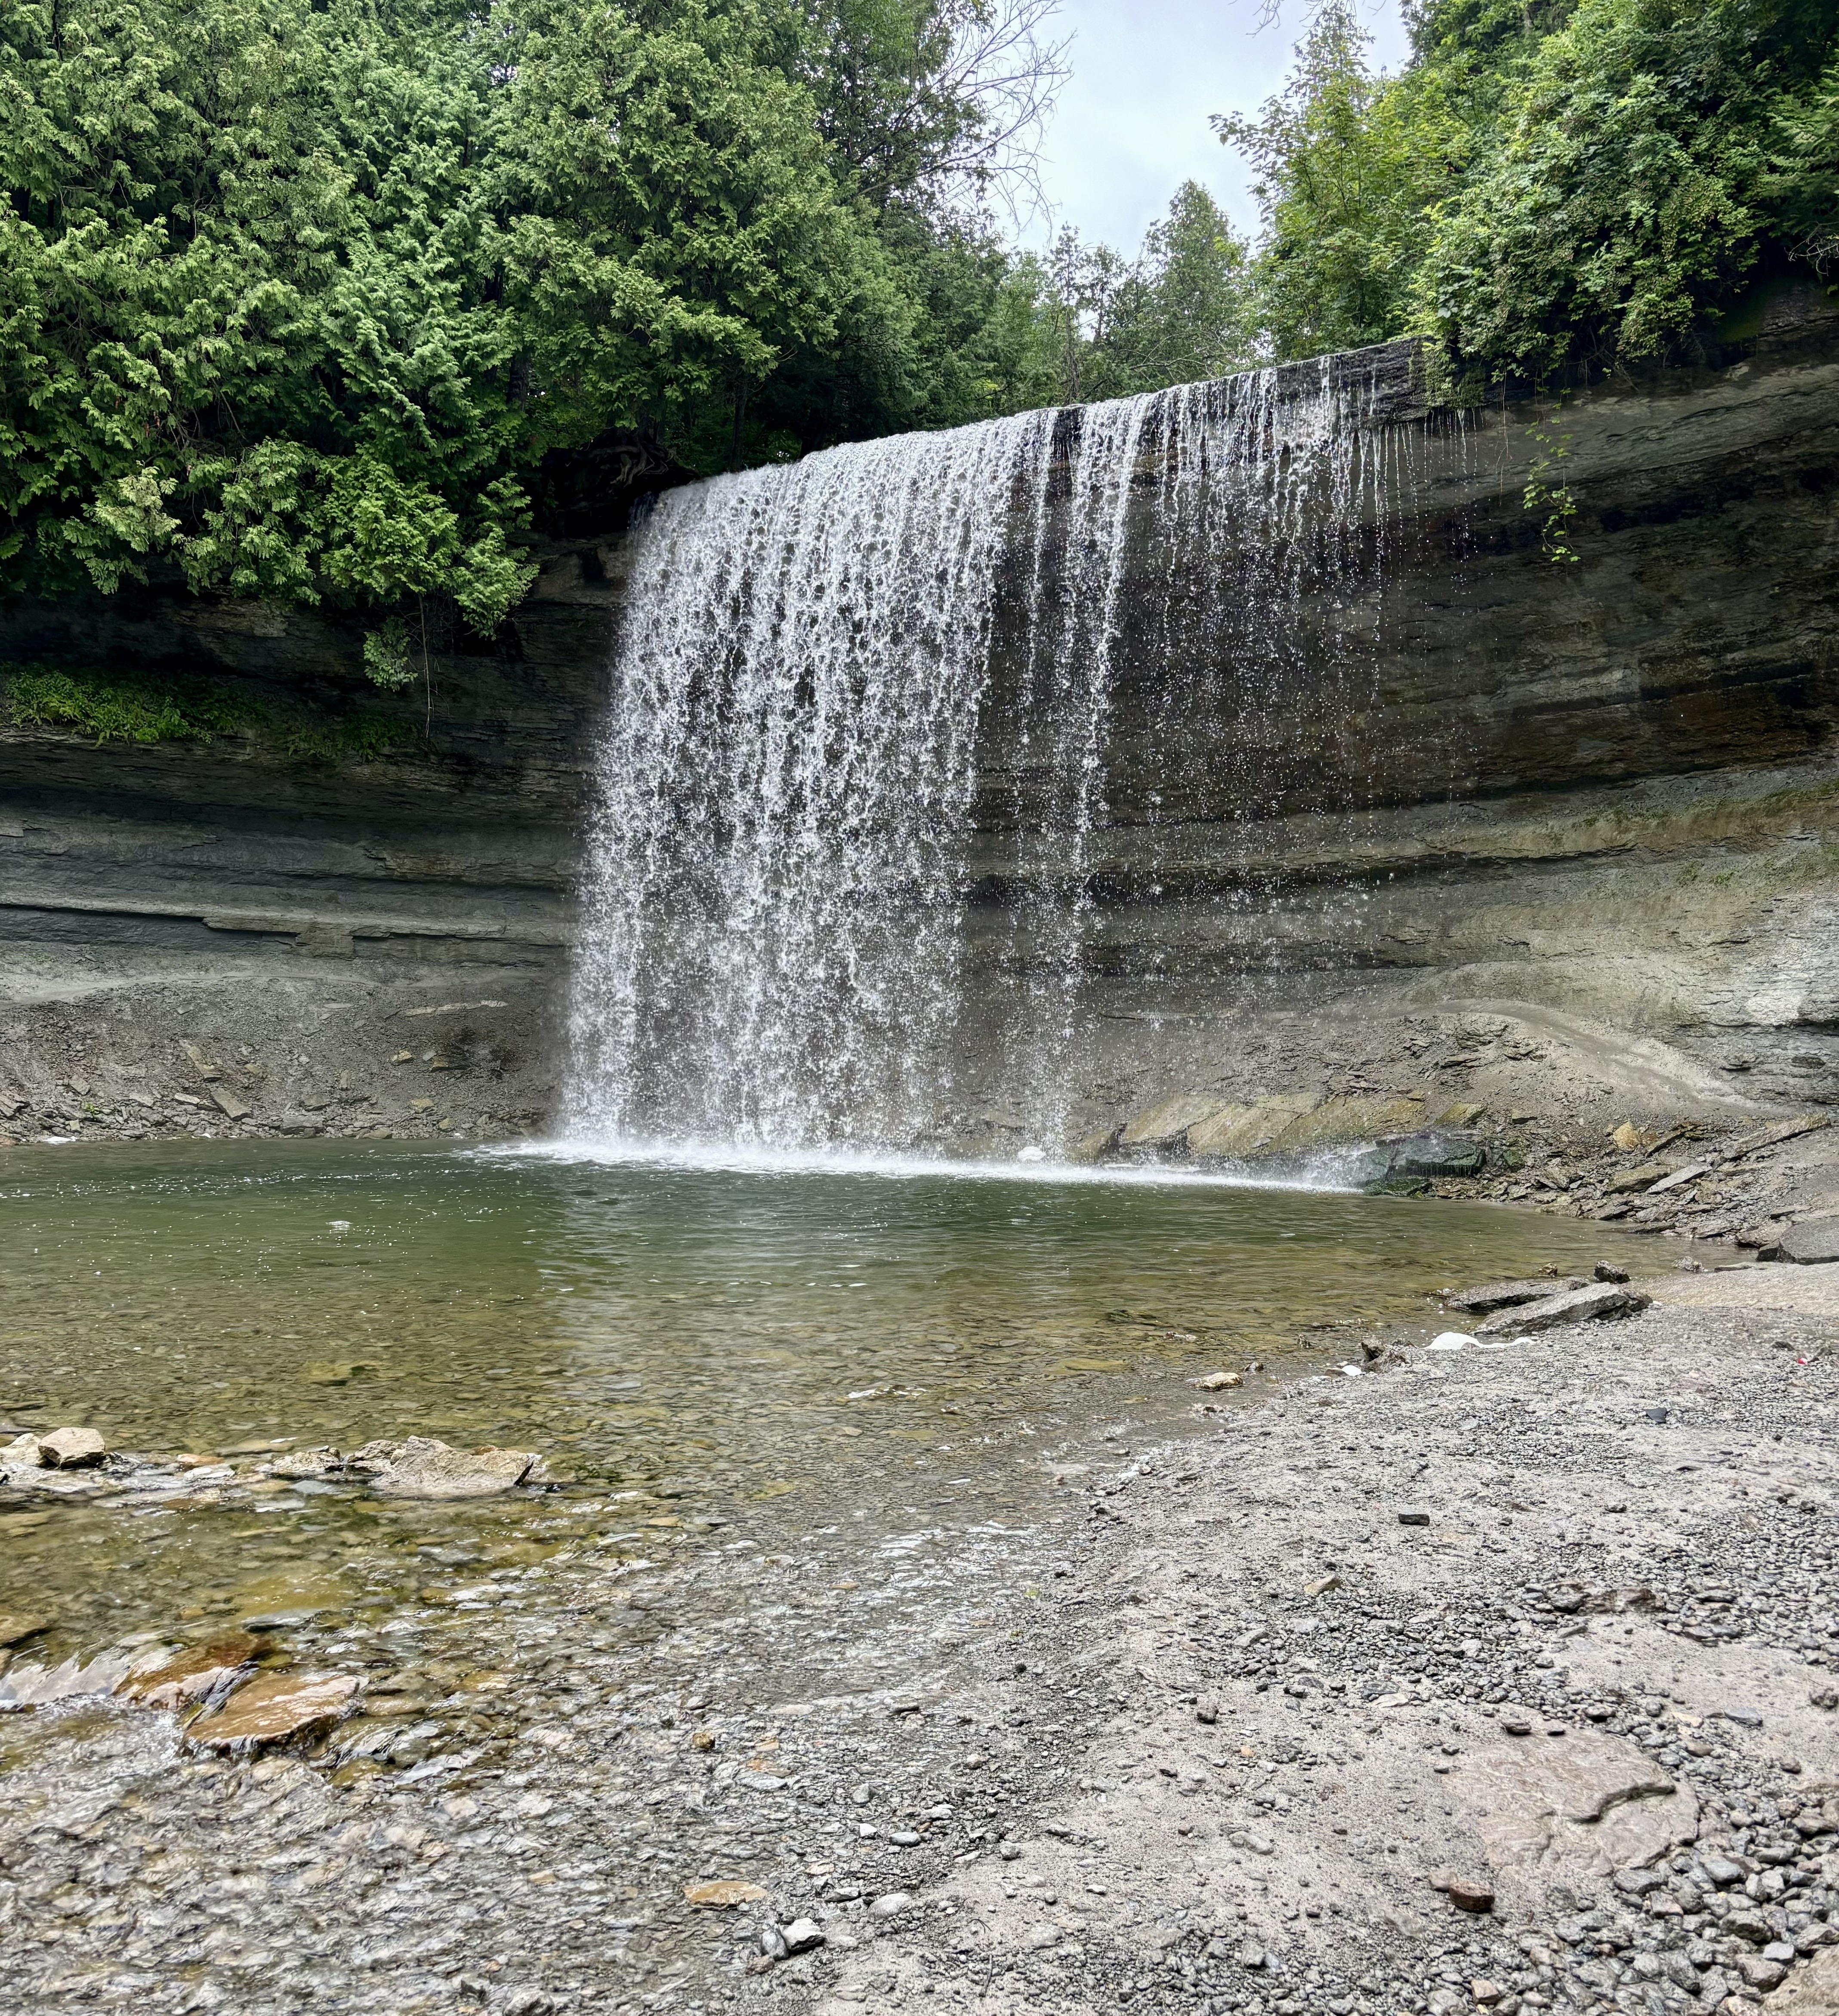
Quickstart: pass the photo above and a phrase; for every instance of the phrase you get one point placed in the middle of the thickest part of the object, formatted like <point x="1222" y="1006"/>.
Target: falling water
<point x="774" y="909"/>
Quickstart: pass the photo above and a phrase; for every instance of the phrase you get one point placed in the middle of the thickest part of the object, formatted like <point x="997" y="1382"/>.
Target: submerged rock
<point x="422" y="1467"/>
<point x="193" y="1675"/>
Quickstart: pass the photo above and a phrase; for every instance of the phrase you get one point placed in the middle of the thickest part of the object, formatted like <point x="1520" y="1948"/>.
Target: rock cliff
<point x="1562" y="833"/>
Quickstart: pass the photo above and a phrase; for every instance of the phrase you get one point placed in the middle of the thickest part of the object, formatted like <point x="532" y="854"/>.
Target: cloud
<point x="1132" y="123"/>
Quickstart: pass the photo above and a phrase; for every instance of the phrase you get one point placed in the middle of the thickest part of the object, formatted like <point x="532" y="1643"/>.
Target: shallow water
<point x="700" y="1352"/>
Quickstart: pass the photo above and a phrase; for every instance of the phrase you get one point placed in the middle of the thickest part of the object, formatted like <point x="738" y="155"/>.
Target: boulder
<point x="193" y="1675"/>
<point x="422" y="1467"/>
<point x="71" y="1448"/>
<point x="1813" y="1242"/>
<point x="1606" y="1298"/>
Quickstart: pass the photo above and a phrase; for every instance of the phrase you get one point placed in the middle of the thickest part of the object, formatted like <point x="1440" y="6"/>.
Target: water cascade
<point x="797" y="799"/>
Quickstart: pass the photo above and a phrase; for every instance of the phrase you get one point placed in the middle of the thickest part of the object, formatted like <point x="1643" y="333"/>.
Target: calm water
<point x="699" y="1351"/>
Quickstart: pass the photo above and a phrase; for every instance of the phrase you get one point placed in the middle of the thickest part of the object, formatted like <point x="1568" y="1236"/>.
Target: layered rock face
<point x="1516" y="829"/>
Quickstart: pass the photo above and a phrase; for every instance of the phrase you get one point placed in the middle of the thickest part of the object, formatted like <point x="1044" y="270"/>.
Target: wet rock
<point x="1813" y="1242"/>
<point x="34" y="1686"/>
<point x="306" y="1463"/>
<point x="71" y="1448"/>
<point x="1164" y="1125"/>
<point x="422" y="1467"/>
<point x="194" y="1676"/>
<point x="277" y="1709"/>
<point x="17" y="1626"/>
<point x="20" y="1453"/>
<point x="1606" y="1298"/>
<point x="1421" y="1157"/>
<point x="1508" y="1294"/>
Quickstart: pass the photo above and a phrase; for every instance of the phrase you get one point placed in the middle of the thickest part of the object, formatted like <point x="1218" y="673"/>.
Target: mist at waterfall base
<point x="798" y="826"/>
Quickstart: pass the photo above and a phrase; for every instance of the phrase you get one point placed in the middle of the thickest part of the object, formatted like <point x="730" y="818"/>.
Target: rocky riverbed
<point x="1497" y="1679"/>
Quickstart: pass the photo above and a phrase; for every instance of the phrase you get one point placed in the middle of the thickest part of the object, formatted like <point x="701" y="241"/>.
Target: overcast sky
<point x="1131" y="122"/>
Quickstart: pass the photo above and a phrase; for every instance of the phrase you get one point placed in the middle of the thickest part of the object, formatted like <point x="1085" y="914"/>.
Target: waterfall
<point x="792" y="769"/>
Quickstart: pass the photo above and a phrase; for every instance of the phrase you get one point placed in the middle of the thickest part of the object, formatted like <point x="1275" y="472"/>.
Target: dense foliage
<point x="296" y="296"/>
<point x="1548" y="181"/>
<point x="300" y="300"/>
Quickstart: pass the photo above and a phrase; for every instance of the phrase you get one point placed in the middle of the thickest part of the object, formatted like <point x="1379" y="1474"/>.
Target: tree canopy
<point x="298" y="301"/>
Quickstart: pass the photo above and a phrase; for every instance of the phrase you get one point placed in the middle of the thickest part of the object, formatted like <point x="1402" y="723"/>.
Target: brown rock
<point x="192" y="1675"/>
<point x="276" y="1709"/>
<point x="15" y="1625"/>
<point x="71" y="1448"/>
<point x="1467" y="1895"/>
<point x="723" y="1896"/>
<point x="1217" y="1382"/>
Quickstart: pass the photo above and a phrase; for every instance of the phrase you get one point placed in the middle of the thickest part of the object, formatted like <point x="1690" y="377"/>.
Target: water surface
<point x="703" y="1353"/>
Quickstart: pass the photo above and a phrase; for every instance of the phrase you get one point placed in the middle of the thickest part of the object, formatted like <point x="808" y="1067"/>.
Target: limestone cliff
<point x="1592" y="802"/>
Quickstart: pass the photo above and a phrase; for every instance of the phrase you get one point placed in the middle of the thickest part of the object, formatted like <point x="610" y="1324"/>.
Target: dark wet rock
<point x="1506" y="1295"/>
<point x="1607" y="1298"/>
<point x="1418" y="1158"/>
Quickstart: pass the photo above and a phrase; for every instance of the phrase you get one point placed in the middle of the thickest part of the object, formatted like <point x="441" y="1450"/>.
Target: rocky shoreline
<point x="1240" y="1722"/>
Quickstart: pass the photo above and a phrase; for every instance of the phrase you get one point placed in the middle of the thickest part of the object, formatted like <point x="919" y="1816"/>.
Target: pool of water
<point x="698" y="1351"/>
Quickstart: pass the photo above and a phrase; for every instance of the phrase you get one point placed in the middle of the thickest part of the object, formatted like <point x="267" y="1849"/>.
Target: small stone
<point x="1468" y="1895"/>
<point x="1217" y="1382"/>
<point x="1606" y="1270"/>
<point x="702" y="1739"/>
<point x="724" y="1895"/>
<point x="1414" y="1518"/>
<point x="1516" y="1726"/>
<point x="275" y="1709"/>
<point x="71" y="1448"/>
<point x="1010" y="1851"/>
<point x="1487" y="1993"/>
<point x="1322" y="1585"/>
<point x="904" y="1837"/>
<point x="1206" y="1709"/>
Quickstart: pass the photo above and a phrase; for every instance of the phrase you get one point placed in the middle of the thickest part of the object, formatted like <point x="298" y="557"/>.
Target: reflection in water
<point x="689" y="1344"/>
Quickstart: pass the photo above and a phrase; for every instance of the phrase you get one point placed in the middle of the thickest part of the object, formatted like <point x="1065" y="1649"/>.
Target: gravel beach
<point x="1497" y="1679"/>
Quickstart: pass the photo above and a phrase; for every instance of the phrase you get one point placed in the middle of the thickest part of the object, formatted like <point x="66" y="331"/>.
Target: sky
<point x="1131" y="125"/>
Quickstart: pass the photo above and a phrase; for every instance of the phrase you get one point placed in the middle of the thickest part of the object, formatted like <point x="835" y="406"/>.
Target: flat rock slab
<point x="1812" y="1989"/>
<point x="1814" y="1242"/>
<point x="1506" y="1295"/>
<point x="1606" y="1298"/>
<point x="276" y="1710"/>
<point x="422" y="1467"/>
<point x="15" y="1625"/>
<point x="1597" y="1796"/>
